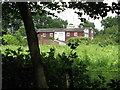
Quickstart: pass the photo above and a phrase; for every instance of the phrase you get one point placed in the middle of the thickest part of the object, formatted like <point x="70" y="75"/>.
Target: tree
<point x="109" y="22"/>
<point x="33" y="45"/>
<point x="92" y="9"/>
<point x="9" y="22"/>
<point x="40" y="21"/>
<point x="58" y="23"/>
<point x="45" y="21"/>
<point x="111" y="30"/>
<point x="112" y="33"/>
<point x="12" y="25"/>
<point x="88" y="24"/>
<point x="24" y="10"/>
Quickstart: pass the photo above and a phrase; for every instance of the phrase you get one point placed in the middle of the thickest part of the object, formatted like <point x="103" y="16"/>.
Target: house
<point x="64" y="34"/>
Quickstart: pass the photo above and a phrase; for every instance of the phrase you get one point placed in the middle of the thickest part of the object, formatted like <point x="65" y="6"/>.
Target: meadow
<point x="100" y="60"/>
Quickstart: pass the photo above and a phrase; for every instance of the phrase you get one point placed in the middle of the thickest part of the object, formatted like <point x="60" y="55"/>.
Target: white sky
<point x="72" y="17"/>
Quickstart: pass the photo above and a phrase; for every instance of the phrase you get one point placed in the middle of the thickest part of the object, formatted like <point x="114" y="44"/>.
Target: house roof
<point x="60" y="30"/>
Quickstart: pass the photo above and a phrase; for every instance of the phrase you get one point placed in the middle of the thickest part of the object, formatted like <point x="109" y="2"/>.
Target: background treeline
<point x="11" y="25"/>
<point x="109" y="34"/>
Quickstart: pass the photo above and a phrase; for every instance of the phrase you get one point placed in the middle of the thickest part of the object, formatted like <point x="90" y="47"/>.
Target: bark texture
<point x="33" y="45"/>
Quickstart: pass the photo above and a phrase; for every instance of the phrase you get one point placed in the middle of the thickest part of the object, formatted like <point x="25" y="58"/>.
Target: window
<point x="51" y="34"/>
<point x="75" y="34"/>
<point x="44" y="34"/>
<point x="68" y="34"/>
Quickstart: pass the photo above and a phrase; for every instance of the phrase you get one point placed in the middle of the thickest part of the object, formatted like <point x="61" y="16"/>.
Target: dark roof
<point x="60" y="30"/>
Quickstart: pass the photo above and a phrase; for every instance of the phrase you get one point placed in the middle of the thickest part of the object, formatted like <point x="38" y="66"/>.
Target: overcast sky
<point x="72" y="17"/>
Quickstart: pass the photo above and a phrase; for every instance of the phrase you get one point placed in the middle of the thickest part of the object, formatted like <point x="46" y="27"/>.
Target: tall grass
<point x="97" y="58"/>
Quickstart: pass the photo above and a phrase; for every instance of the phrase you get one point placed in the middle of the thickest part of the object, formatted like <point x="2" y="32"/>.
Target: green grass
<point x="97" y="58"/>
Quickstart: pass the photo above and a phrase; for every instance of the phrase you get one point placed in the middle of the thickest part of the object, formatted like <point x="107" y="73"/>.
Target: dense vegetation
<point x="90" y="63"/>
<point x="18" y="38"/>
<point x="69" y="68"/>
<point x="99" y="66"/>
<point x="110" y="32"/>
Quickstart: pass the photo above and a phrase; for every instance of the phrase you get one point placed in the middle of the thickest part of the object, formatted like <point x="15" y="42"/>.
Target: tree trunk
<point x="33" y="45"/>
<point x="69" y="78"/>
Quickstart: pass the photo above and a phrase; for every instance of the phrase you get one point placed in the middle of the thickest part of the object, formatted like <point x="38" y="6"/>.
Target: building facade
<point x="64" y="34"/>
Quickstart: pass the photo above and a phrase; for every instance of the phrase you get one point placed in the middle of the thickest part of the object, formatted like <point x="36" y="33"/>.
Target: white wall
<point x="86" y="33"/>
<point x="59" y="36"/>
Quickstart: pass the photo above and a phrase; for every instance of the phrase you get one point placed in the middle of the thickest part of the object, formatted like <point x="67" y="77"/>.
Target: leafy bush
<point x="109" y="36"/>
<point x="79" y="40"/>
<point x="19" y="38"/>
<point x="14" y="40"/>
<point x="17" y="69"/>
<point x="51" y="38"/>
<point x="114" y="84"/>
<point x="71" y="69"/>
<point x="105" y="40"/>
<point x="10" y="40"/>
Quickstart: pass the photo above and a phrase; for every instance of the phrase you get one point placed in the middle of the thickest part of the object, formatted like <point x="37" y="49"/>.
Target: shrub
<point x="17" y="69"/>
<point x="105" y="39"/>
<point x="19" y="38"/>
<point x="79" y="40"/>
<point x="14" y="40"/>
<point x="51" y="38"/>
<point x="10" y="40"/>
<point x="22" y="39"/>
